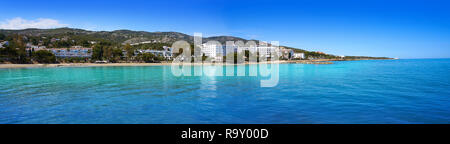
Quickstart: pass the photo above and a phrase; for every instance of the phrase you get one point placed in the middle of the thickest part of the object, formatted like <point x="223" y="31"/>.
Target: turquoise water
<point x="385" y="91"/>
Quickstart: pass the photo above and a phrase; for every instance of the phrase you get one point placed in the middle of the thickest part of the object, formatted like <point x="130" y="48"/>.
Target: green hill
<point x="66" y="37"/>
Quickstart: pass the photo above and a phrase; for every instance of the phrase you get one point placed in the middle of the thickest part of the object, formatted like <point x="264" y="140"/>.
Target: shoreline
<point x="13" y="66"/>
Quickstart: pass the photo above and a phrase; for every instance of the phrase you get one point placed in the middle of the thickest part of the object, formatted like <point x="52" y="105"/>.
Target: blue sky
<point x="403" y="29"/>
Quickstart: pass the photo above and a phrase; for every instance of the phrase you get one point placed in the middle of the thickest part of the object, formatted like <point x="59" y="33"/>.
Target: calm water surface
<point x="386" y="91"/>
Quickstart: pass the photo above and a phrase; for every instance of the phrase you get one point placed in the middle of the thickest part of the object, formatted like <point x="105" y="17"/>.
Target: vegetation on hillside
<point x="43" y="57"/>
<point x="113" y="46"/>
<point x="14" y="52"/>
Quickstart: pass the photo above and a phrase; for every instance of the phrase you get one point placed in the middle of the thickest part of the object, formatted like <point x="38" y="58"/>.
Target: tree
<point x="116" y="54"/>
<point x="107" y="52"/>
<point x="2" y="36"/>
<point x="8" y="54"/>
<point x="85" y="43"/>
<point x="15" y="52"/>
<point x="147" y="57"/>
<point x="204" y="57"/>
<point x="97" y="52"/>
<point x="130" y="51"/>
<point x="160" y="58"/>
<point x="43" y="56"/>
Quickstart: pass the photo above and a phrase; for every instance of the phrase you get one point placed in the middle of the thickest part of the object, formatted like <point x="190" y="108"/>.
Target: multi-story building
<point x="31" y="47"/>
<point x="75" y="51"/>
<point x="166" y="53"/>
<point x="298" y="56"/>
<point x="214" y="51"/>
<point x="217" y="52"/>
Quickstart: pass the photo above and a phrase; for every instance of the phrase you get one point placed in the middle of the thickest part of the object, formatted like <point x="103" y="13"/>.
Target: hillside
<point x="66" y="37"/>
<point x="117" y="36"/>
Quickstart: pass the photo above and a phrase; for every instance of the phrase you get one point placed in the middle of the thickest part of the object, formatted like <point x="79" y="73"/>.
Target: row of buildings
<point x="217" y="52"/>
<point x="167" y="52"/>
<point x="213" y="51"/>
<point x="83" y="52"/>
<point x="75" y="51"/>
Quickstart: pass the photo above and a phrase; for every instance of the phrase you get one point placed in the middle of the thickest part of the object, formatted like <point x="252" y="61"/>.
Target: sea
<point x="405" y="91"/>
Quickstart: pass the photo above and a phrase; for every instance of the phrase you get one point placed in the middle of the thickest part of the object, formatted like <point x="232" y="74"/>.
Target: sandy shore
<point x="78" y="65"/>
<point x="3" y="66"/>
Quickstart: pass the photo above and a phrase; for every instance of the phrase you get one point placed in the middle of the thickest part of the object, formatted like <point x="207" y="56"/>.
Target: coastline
<point x="6" y="66"/>
<point x="9" y="66"/>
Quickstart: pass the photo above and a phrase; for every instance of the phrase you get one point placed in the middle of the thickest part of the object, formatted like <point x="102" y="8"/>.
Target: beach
<point x="3" y="66"/>
<point x="78" y="65"/>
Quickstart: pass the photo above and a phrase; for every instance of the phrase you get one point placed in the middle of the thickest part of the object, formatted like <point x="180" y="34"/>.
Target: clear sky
<point x="403" y="29"/>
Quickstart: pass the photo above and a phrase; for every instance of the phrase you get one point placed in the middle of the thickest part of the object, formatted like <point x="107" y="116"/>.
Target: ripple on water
<point x="403" y="91"/>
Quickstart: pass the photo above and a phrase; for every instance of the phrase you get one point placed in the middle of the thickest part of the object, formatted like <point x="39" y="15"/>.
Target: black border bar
<point x="171" y="133"/>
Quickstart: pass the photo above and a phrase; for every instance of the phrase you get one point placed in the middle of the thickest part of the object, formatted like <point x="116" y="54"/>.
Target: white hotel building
<point x="217" y="52"/>
<point x="213" y="51"/>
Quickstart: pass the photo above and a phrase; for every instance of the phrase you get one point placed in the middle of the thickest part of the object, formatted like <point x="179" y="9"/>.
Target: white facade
<point x="71" y="52"/>
<point x="166" y="53"/>
<point x="217" y="52"/>
<point x="268" y="51"/>
<point x="213" y="51"/>
<point x="209" y="50"/>
<point x="299" y="56"/>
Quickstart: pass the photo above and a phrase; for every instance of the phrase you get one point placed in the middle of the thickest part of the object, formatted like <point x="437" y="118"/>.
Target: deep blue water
<point x="384" y="91"/>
